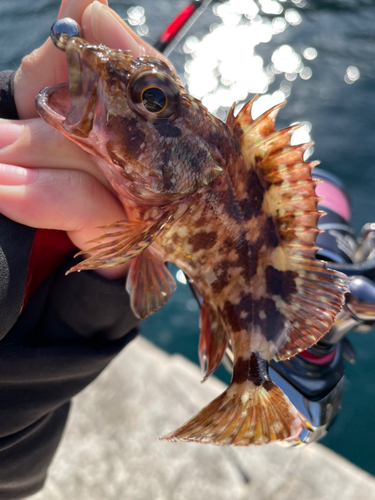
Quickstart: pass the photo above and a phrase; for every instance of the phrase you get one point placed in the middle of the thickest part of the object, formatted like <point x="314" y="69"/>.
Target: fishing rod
<point x="180" y="25"/>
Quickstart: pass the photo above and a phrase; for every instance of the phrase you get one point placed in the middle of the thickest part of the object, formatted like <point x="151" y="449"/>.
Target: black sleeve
<point x="71" y="328"/>
<point x="54" y="350"/>
<point x="7" y="105"/>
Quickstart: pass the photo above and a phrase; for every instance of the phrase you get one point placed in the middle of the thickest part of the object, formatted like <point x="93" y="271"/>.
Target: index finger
<point x="100" y="24"/>
<point x="74" y="9"/>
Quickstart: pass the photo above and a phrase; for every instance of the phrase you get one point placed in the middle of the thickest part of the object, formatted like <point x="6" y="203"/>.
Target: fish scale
<point x="232" y="204"/>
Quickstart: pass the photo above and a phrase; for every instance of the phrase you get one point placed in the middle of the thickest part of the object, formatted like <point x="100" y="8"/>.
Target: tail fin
<point x="244" y="414"/>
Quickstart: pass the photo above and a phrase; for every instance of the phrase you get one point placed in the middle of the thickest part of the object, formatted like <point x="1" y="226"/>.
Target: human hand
<point x="46" y="181"/>
<point x="47" y="65"/>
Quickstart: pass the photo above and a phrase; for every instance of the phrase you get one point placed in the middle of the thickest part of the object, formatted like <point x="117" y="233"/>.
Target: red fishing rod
<point x="180" y="25"/>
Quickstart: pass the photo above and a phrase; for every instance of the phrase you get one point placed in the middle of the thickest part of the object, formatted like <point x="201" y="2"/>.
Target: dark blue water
<point x="341" y="112"/>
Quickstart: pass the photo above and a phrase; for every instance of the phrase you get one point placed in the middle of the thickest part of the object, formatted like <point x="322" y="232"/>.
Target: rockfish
<point x="231" y="204"/>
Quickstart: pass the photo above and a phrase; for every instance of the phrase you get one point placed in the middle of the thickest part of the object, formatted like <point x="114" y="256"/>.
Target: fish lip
<point x="53" y="115"/>
<point x="69" y="107"/>
<point x="47" y="103"/>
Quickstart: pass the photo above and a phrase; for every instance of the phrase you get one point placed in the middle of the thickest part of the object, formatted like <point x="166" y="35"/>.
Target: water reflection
<point x="136" y="17"/>
<point x="271" y="7"/>
<point x="180" y="276"/>
<point x="310" y="53"/>
<point x="224" y="65"/>
<point x="352" y="74"/>
<point x="293" y="17"/>
<point x="286" y="60"/>
<point x="306" y="73"/>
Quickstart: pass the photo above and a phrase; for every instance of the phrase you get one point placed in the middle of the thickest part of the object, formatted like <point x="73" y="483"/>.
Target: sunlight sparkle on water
<point x="286" y="87"/>
<point x="181" y="277"/>
<point x="278" y="25"/>
<point x="293" y="17"/>
<point x="215" y="59"/>
<point x="310" y="53"/>
<point x="190" y="44"/>
<point x="306" y="73"/>
<point x="266" y="102"/>
<point x="136" y="17"/>
<point x="224" y="66"/>
<point x="246" y="8"/>
<point x="352" y="75"/>
<point x="302" y="135"/>
<point x="291" y="76"/>
<point x="286" y="60"/>
<point x="271" y="7"/>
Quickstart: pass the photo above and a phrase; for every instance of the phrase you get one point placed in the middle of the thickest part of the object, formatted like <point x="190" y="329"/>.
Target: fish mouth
<point x="53" y="104"/>
<point x="69" y="107"/>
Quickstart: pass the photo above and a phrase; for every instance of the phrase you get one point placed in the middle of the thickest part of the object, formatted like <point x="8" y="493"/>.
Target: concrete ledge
<point x="110" y="450"/>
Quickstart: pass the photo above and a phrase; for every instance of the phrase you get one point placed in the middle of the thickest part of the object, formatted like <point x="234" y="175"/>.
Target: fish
<point x="232" y="204"/>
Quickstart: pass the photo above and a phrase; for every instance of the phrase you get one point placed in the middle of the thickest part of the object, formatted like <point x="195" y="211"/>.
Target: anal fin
<point x="212" y="341"/>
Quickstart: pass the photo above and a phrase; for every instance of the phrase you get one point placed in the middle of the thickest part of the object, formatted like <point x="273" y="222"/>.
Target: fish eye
<point x="154" y="95"/>
<point x="154" y="99"/>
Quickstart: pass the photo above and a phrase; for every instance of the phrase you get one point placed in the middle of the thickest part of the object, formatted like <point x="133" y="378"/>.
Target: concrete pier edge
<point x="110" y="449"/>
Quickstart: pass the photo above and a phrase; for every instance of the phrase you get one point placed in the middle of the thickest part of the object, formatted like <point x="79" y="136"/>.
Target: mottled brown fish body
<point x="233" y="205"/>
<point x="224" y="246"/>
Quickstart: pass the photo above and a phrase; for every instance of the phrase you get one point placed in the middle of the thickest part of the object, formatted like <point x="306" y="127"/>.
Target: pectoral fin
<point x="122" y="242"/>
<point x="149" y="283"/>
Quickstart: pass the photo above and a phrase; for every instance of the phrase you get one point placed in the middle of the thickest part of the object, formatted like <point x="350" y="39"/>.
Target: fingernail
<point x="9" y="133"/>
<point x="12" y="175"/>
<point x="108" y="28"/>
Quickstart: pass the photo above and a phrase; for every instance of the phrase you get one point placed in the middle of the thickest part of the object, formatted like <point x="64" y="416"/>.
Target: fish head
<point x="134" y="114"/>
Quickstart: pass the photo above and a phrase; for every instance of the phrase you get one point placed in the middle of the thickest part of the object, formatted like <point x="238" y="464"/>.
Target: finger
<point x="100" y="24"/>
<point x="44" y="66"/>
<point x="74" y="9"/>
<point x="67" y="200"/>
<point x="33" y="143"/>
<point x="32" y="76"/>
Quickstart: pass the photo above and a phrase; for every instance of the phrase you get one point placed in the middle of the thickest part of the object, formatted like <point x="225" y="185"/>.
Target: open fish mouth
<point x="53" y="103"/>
<point x="70" y="106"/>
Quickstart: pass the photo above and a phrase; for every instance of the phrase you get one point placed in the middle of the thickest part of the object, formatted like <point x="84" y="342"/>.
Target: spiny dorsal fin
<point x="291" y="202"/>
